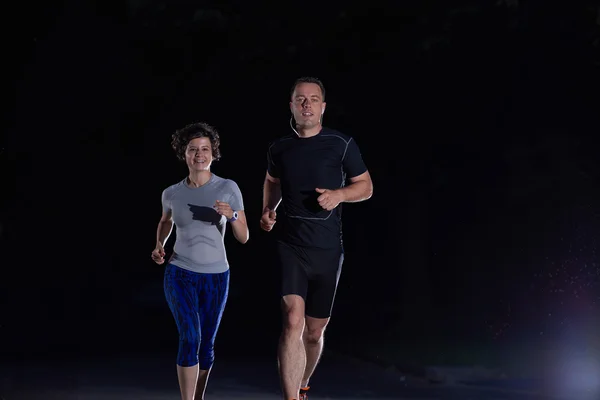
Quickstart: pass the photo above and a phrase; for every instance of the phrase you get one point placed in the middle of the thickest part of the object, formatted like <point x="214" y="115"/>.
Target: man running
<point x="308" y="171"/>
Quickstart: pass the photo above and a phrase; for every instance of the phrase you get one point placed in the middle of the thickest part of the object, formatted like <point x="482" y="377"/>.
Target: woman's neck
<point x="198" y="178"/>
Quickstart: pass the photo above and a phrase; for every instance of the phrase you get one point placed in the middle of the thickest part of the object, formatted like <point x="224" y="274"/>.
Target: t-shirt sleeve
<point x="166" y="201"/>
<point x="271" y="167"/>
<point x="237" y="201"/>
<point x="352" y="161"/>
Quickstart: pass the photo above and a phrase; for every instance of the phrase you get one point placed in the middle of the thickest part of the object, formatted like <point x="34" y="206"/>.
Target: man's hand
<point x="158" y="255"/>
<point x="329" y="199"/>
<point x="224" y="209"/>
<point x="268" y="219"/>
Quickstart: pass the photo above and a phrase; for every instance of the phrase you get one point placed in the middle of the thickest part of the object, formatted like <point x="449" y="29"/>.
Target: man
<point x="307" y="172"/>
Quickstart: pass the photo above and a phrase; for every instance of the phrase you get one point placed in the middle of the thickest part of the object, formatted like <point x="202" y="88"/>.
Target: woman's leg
<point x="187" y="378"/>
<point x="213" y="292"/>
<point x="181" y="294"/>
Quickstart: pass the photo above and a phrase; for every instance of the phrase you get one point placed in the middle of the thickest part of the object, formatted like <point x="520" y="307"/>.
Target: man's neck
<point x="198" y="178"/>
<point x="306" y="133"/>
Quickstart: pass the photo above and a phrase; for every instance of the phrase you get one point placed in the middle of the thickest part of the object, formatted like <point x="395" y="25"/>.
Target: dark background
<point x="478" y="121"/>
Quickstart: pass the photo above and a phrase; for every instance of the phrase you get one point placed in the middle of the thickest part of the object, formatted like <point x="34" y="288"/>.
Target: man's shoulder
<point x="274" y="144"/>
<point x="329" y="132"/>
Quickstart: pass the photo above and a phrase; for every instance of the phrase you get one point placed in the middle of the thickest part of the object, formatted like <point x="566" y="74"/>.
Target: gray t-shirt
<point x="200" y="230"/>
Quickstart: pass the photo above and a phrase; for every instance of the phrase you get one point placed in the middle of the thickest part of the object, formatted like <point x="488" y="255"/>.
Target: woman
<point x="196" y="280"/>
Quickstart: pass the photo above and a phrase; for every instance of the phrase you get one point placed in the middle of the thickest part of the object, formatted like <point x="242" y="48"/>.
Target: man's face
<point x="198" y="154"/>
<point x="307" y="105"/>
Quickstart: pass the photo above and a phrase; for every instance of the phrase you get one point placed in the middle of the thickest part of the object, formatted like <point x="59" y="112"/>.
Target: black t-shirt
<point x="323" y="161"/>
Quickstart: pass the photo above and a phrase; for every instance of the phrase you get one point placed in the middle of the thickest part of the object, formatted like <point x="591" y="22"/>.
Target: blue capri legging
<point x="197" y="302"/>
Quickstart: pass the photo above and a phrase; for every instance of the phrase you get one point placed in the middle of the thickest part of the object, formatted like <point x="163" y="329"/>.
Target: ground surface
<point x="153" y="377"/>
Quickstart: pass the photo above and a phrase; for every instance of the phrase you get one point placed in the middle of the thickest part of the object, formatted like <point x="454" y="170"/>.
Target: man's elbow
<point x="369" y="191"/>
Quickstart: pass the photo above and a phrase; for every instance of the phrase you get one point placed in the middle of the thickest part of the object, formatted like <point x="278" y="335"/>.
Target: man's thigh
<point x="323" y="278"/>
<point x="292" y="267"/>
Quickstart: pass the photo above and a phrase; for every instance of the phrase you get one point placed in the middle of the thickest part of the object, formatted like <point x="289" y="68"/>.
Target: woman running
<point x="196" y="280"/>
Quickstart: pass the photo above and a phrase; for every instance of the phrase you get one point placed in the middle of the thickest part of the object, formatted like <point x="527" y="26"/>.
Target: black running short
<point x="311" y="273"/>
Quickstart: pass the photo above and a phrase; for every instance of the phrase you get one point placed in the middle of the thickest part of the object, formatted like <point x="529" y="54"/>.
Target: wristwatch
<point x="234" y="217"/>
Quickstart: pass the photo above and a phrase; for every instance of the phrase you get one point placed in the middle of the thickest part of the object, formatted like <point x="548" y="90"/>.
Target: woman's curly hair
<point x="183" y="136"/>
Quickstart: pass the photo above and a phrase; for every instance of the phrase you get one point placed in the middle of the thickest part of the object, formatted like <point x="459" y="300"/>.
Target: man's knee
<point x="313" y="336"/>
<point x="315" y="329"/>
<point x="293" y="313"/>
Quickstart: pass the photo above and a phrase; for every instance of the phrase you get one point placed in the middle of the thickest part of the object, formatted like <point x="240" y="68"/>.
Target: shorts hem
<point x="317" y="317"/>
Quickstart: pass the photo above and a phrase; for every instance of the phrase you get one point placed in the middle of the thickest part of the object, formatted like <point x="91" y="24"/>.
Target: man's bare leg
<point x="314" y="340"/>
<point x="188" y="376"/>
<point x="291" y="353"/>
<point x="202" y="381"/>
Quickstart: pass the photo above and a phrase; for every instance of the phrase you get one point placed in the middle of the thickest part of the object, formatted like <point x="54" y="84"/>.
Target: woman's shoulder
<point x="171" y="190"/>
<point x="224" y="182"/>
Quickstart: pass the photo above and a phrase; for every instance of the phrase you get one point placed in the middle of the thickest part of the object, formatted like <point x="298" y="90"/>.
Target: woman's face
<point x="198" y="154"/>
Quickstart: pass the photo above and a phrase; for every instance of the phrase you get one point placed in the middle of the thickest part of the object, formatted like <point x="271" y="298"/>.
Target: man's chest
<point x="310" y="165"/>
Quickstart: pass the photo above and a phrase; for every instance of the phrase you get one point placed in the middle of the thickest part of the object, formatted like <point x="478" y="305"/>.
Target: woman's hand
<point x="224" y="209"/>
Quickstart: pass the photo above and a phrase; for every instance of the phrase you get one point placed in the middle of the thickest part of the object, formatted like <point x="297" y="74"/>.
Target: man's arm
<point x="271" y="193"/>
<point x="361" y="186"/>
<point x="359" y="189"/>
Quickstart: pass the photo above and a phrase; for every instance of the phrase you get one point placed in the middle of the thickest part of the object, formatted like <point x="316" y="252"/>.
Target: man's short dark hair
<point x="309" y="79"/>
<point x="183" y="136"/>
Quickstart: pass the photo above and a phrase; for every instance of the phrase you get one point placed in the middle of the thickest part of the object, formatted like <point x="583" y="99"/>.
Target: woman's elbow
<point x="243" y="238"/>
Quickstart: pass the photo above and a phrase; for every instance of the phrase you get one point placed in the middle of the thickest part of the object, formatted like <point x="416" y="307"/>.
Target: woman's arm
<point x="240" y="228"/>
<point x="165" y="227"/>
